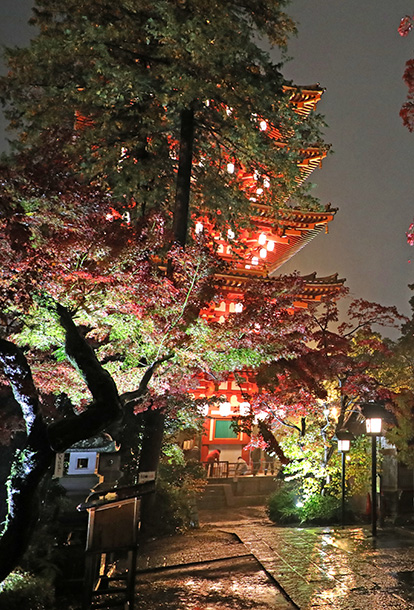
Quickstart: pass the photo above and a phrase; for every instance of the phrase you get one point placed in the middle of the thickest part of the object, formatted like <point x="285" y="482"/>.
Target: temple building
<point x="259" y="252"/>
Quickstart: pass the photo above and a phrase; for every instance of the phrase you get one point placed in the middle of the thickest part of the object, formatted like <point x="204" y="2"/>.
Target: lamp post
<point x="344" y="444"/>
<point x="374" y="413"/>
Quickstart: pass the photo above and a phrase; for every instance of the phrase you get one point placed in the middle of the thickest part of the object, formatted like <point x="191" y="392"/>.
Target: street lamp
<point x="344" y="444"/>
<point x="374" y="413"/>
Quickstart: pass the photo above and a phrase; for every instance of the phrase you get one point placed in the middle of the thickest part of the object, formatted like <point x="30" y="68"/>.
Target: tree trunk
<point x="154" y="419"/>
<point x="185" y="162"/>
<point x="150" y="457"/>
<point x="272" y="444"/>
<point x="43" y="441"/>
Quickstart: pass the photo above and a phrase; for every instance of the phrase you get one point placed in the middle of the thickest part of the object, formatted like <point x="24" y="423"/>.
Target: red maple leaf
<point x="406" y="25"/>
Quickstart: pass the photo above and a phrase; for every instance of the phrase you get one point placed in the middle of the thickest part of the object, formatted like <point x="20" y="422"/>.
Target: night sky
<point x="352" y="49"/>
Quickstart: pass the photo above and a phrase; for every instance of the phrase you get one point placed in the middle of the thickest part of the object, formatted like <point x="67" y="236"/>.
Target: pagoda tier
<point x="261" y="250"/>
<point x="233" y="288"/>
<point x="257" y="253"/>
<point x="305" y="98"/>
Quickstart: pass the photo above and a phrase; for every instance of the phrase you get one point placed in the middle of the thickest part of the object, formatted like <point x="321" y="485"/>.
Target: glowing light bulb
<point x="263" y="253"/>
<point x="262" y="239"/>
<point x="270" y="245"/>
<point x="255" y="260"/>
<point x="199" y="227"/>
<point x="263" y="125"/>
<point x="230" y="168"/>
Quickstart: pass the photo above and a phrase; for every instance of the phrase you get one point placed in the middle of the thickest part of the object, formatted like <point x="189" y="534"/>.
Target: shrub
<point x="320" y="509"/>
<point x="281" y="505"/>
<point x="285" y="506"/>
<point x="177" y="487"/>
<point x="21" y="590"/>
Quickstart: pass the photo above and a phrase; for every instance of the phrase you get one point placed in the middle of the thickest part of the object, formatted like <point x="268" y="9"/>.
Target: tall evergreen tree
<point x="154" y="102"/>
<point x="116" y="85"/>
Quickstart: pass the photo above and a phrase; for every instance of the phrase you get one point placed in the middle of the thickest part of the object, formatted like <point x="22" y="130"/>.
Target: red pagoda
<point x="265" y="248"/>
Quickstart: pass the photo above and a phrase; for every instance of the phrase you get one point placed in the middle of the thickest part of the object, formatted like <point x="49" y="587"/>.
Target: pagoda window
<point x="223" y="429"/>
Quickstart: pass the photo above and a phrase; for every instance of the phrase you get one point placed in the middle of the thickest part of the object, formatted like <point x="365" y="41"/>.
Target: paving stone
<point x="342" y="569"/>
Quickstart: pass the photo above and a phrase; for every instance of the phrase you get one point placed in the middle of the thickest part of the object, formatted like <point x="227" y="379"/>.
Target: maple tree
<point x="303" y="403"/>
<point x="396" y="373"/>
<point x="138" y="101"/>
<point x="69" y="256"/>
<point x="128" y="119"/>
<point x="156" y="102"/>
<point x="407" y="110"/>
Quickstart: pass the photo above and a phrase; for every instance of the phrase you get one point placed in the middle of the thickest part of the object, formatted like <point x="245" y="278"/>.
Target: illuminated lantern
<point x="244" y="408"/>
<point x="344" y="440"/>
<point x="225" y="409"/>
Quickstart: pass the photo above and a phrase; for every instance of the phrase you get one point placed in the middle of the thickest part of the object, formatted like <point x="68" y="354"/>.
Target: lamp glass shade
<point x="374" y="425"/>
<point x="344" y="445"/>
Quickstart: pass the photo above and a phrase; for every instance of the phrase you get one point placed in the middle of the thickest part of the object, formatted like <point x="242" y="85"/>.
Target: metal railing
<point x="217" y="470"/>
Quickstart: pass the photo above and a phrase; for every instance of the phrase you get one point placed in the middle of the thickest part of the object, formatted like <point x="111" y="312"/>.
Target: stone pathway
<point x="208" y="569"/>
<point x="240" y="560"/>
<point x="335" y="568"/>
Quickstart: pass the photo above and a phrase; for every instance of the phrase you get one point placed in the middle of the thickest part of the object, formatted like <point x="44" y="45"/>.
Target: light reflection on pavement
<point x="336" y="569"/>
<point x="236" y="559"/>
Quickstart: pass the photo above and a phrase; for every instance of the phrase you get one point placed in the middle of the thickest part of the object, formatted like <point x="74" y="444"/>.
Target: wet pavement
<point x="241" y="560"/>
<point x="335" y="568"/>
<point x="208" y="569"/>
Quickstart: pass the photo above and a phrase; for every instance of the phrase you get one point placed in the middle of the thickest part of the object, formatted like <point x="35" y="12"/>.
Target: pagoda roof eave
<point x="294" y="249"/>
<point x="292" y="215"/>
<point x="313" y="282"/>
